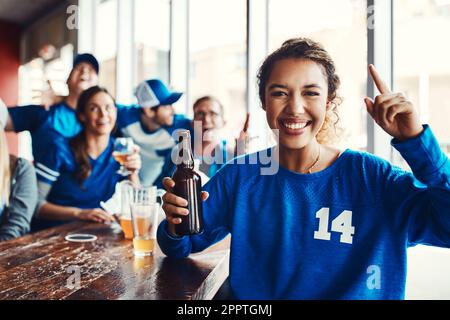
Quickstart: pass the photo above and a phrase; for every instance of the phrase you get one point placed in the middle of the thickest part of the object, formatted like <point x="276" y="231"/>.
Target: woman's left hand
<point x="133" y="162"/>
<point x="392" y="111"/>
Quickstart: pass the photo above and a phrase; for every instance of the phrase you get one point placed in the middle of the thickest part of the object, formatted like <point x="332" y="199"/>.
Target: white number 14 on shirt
<point x="342" y="224"/>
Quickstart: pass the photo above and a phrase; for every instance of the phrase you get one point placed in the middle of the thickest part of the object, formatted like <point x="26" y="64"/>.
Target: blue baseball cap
<point x="153" y="93"/>
<point x="87" y="58"/>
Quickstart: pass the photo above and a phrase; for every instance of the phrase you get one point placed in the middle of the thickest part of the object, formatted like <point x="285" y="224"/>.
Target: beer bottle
<point x="188" y="185"/>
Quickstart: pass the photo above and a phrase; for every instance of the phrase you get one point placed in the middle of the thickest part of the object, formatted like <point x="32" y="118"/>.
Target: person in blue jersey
<point x="214" y="150"/>
<point x="77" y="174"/>
<point x="321" y="223"/>
<point x="60" y="118"/>
<point x="211" y="148"/>
<point x="151" y="125"/>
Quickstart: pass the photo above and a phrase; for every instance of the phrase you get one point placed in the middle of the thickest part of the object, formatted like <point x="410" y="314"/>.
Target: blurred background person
<point x="215" y="150"/>
<point x="211" y="153"/>
<point x="151" y="126"/>
<point x="60" y="118"/>
<point x="211" y="148"/>
<point x="77" y="174"/>
<point x="18" y="193"/>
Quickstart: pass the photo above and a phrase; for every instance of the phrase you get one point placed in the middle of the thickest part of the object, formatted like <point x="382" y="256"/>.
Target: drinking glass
<point x="123" y="147"/>
<point x="144" y="216"/>
<point x="126" y="194"/>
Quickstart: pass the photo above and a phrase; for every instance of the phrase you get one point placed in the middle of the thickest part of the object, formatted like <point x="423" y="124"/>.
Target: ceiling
<point x="24" y="12"/>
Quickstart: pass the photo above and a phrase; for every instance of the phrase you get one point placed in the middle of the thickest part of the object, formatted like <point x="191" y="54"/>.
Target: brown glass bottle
<point x="188" y="185"/>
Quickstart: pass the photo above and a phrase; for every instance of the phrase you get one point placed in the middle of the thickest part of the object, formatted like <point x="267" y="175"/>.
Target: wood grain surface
<point x="46" y="266"/>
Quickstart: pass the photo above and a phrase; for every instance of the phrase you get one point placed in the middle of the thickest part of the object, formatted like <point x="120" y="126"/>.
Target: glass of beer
<point x="126" y="190"/>
<point x="127" y="227"/>
<point x="144" y="215"/>
<point x="123" y="147"/>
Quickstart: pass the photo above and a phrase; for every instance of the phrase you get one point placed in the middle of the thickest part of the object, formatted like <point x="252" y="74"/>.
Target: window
<point x="420" y="68"/>
<point x="201" y="47"/>
<point x="106" y="43"/>
<point x="217" y="46"/>
<point x="341" y="27"/>
<point x="152" y="39"/>
<point x="421" y="72"/>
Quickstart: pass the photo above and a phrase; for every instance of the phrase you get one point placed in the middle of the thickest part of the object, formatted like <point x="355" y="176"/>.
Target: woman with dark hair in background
<point x="77" y="174"/>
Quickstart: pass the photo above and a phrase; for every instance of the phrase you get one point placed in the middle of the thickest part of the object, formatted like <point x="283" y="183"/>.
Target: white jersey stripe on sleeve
<point x="47" y="169"/>
<point x="45" y="175"/>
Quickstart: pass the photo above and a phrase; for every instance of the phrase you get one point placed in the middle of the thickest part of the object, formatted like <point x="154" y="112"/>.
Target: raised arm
<point x="423" y="197"/>
<point x="392" y="111"/>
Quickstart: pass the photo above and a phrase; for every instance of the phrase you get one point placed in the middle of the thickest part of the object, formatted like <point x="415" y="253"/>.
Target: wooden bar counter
<point x="44" y="265"/>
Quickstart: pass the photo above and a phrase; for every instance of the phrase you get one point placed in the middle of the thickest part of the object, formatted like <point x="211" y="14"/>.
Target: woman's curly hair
<point x="304" y="48"/>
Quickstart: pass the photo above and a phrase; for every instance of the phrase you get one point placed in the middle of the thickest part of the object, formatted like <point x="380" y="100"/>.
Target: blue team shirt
<point x="46" y="125"/>
<point x="60" y="120"/>
<point x="156" y="146"/>
<point x="341" y="233"/>
<point x="59" y="168"/>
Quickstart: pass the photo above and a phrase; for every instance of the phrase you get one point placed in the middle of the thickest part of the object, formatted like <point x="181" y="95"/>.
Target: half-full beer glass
<point x="126" y="195"/>
<point x="144" y="215"/>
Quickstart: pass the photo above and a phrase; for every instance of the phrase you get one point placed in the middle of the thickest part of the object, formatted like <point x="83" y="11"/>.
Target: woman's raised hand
<point x="393" y="112"/>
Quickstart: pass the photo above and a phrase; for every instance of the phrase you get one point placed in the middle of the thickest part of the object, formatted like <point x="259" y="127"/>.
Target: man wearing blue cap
<point x="59" y="119"/>
<point x="151" y="126"/>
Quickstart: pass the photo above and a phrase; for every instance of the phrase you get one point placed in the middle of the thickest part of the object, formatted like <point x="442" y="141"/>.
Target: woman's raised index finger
<point x="381" y="85"/>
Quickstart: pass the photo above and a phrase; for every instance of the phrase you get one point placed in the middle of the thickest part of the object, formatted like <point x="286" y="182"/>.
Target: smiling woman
<point x="314" y="88"/>
<point x="298" y="90"/>
<point x="341" y="26"/>
<point x="72" y="177"/>
<point x="98" y="114"/>
<point x="332" y="224"/>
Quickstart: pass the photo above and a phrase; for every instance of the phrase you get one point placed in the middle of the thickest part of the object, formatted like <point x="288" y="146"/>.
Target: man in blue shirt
<point x="151" y="126"/>
<point x="211" y="150"/>
<point x="60" y="118"/>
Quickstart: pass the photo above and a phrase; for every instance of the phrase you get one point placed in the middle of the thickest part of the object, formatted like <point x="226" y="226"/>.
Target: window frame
<point x="379" y="52"/>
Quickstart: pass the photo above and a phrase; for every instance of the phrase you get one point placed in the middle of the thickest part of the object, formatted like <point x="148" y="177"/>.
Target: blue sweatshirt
<point x="341" y="233"/>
